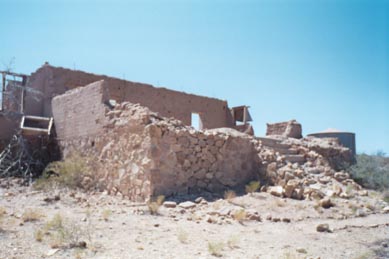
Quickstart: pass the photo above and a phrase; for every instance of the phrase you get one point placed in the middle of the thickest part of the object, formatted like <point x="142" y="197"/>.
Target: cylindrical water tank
<point x="347" y="139"/>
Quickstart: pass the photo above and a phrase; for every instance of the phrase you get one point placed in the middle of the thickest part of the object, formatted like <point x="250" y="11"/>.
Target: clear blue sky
<point x="324" y="63"/>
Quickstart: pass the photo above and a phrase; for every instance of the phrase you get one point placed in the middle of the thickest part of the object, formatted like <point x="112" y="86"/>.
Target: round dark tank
<point x="347" y="139"/>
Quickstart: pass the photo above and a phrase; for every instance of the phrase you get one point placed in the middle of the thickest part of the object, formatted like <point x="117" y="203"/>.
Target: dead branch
<point x="18" y="160"/>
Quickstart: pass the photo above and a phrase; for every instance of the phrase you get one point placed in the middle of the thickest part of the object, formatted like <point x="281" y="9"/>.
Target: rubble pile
<point x="306" y="168"/>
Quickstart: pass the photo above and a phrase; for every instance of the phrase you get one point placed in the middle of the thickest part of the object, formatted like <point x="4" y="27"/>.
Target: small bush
<point x="371" y="171"/>
<point x="239" y="215"/>
<point x="253" y="186"/>
<point x="65" y="233"/>
<point x="154" y="205"/>
<point x="215" y="248"/>
<point x="30" y="215"/>
<point x="38" y="235"/>
<point x="229" y="195"/>
<point x="67" y="173"/>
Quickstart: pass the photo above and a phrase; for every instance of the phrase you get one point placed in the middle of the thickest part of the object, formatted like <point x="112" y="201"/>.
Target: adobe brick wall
<point x="81" y="112"/>
<point x="139" y="154"/>
<point x="54" y="81"/>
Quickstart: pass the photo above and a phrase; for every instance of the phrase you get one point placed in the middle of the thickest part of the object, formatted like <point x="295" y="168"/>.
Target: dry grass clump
<point x="155" y="204"/>
<point x="67" y="173"/>
<point x="229" y="195"/>
<point x="371" y="206"/>
<point x="63" y="233"/>
<point x="38" y="234"/>
<point x="239" y="215"/>
<point x="182" y="236"/>
<point x="31" y="215"/>
<point x="233" y="242"/>
<point x="215" y="248"/>
<point x="253" y="186"/>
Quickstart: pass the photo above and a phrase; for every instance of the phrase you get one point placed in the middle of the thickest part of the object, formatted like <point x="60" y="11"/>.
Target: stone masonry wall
<point x="138" y="154"/>
<point x="189" y="161"/>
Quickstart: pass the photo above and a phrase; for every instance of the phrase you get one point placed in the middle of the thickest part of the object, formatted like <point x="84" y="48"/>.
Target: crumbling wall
<point x="138" y="153"/>
<point x="54" y="81"/>
<point x="191" y="161"/>
<point x="290" y="129"/>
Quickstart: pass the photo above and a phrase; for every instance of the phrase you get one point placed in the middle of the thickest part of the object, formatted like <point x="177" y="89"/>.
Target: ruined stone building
<point x="83" y="115"/>
<point x="139" y="141"/>
<point x="32" y="95"/>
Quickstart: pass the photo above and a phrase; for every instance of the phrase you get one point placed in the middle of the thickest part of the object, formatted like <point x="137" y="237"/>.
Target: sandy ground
<point x="115" y="228"/>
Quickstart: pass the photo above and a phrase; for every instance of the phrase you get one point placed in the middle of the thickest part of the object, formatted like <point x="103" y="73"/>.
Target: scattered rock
<point x="301" y="250"/>
<point x="286" y="220"/>
<point x="199" y="199"/>
<point x="170" y="204"/>
<point x="326" y="203"/>
<point x="187" y="205"/>
<point x="276" y="190"/>
<point x="52" y="252"/>
<point x="323" y="228"/>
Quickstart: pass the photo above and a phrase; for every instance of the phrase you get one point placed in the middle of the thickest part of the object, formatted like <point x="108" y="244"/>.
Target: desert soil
<point x="116" y="228"/>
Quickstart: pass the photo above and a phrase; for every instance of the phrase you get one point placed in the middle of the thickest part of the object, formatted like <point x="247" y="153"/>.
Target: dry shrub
<point x="38" y="234"/>
<point x="240" y="215"/>
<point x="66" y="173"/>
<point x="215" y="248"/>
<point x="229" y="195"/>
<point x="31" y="215"/>
<point x="253" y="186"/>
<point x="65" y="233"/>
<point x="155" y="204"/>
